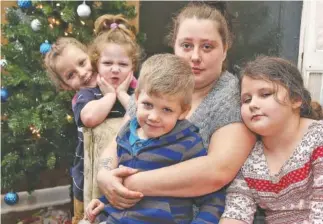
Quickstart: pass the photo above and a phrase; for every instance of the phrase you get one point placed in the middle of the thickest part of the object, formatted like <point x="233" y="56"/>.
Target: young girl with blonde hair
<point x="114" y="55"/>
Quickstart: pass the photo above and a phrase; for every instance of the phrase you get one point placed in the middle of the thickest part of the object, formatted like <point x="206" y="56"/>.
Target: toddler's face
<point x="114" y="64"/>
<point x="157" y="115"/>
<point x="75" y="69"/>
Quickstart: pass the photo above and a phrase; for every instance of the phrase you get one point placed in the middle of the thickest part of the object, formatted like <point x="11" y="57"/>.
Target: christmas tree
<point x="37" y="126"/>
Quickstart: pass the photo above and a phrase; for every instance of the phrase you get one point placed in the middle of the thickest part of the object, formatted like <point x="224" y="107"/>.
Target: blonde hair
<point x="202" y="11"/>
<point x="57" y="49"/>
<point x="167" y="74"/>
<point x="123" y="34"/>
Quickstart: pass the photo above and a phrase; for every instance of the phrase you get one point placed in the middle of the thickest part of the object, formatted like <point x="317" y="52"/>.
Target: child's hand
<point x="104" y="86"/>
<point x="93" y="209"/>
<point x="124" y="86"/>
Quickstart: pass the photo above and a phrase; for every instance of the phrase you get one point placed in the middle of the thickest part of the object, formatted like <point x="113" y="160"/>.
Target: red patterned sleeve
<point x="316" y="215"/>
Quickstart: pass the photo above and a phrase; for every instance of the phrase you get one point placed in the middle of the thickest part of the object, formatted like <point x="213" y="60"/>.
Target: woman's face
<point x="199" y="42"/>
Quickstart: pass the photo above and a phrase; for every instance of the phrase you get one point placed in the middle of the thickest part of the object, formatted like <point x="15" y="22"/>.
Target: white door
<point x="311" y="48"/>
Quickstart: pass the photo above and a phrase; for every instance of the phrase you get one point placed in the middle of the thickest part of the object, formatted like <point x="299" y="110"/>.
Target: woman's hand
<point x="111" y="184"/>
<point x="124" y="86"/>
<point x="104" y="86"/>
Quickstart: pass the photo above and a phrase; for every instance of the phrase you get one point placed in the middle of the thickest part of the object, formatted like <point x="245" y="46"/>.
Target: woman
<point x="201" y="36"/>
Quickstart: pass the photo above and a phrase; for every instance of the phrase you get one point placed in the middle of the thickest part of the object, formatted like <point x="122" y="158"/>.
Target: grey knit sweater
<point x="219" y="108"/>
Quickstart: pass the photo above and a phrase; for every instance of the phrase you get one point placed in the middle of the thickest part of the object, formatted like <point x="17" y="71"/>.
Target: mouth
<point x="197" y="70"/>
<point x="256" y="117"/>
<point x="88" y="80"/>
<point x="153" y="126"/>
<point x="114" y="80"/>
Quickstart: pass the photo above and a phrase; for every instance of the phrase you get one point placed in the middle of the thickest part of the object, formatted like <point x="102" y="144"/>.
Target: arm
<point x="240" y="206"/>
<point x="316" y="203"/>
<point x="110" y="178"/>
<point x="96" y="111"/>
<point x="229" y="148"/>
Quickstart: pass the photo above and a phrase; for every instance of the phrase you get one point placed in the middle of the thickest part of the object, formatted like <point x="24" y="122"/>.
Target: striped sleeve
<point x="211" y="207"/>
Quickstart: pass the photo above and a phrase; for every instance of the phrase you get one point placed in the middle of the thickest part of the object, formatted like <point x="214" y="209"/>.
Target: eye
<point x="265" y="95"/>
<point x="246" y="100"/>
<point x="123" y="64"/>
<point x="147" y="105"/>
<point x="70" y="75"/>
<point x="107" y="62"/>
<point x="186" y="45"/>
<point x="82" y="62"/>
<point x="168" y="110"/>
<point x="207" y="47"/>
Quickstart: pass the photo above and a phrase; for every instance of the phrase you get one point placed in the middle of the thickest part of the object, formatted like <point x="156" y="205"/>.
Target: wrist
<point x="110" y="95"/>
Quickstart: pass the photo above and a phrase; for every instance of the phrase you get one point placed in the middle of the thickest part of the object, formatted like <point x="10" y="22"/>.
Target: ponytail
<point x="114" y="29"/>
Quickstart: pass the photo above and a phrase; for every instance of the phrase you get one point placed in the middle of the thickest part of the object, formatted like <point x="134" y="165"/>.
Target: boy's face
<point x="74" y="67"/>
<point x="157" y="115"/>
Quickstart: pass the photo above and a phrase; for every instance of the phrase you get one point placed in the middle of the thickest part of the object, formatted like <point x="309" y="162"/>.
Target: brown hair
<point x="56" y="51"/>
<point x="201" y="11"/>
<point x="281" y="72"/>
<point x="317" y="110"/>
<point x="124" y="34"/>
<point x="167" y="74"/>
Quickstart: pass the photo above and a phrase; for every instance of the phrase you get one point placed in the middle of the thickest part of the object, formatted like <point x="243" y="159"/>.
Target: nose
<point x="115" y="69"/>
<point x="81" y="72"/>
<point x="196" y="56"/>
<point x="153" y="116"/>
<point x="253" y="105"/>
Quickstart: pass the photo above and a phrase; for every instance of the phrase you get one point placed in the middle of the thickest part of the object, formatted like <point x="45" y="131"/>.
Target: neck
<point x="284" y="137"/>
<point x="200" y="93"/>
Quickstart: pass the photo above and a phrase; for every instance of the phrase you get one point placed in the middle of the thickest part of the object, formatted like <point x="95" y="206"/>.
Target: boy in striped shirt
<point x="160" y="136"/>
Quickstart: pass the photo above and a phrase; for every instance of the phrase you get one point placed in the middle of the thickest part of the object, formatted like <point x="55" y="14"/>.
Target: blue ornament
<point x="4" y="94"/>
<point x="45" y="47"/>
<point x="25" y="4"/>
<point x="11" y="198"/>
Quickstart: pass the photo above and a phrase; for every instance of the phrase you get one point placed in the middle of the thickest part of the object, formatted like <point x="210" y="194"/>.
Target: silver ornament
<point x="35" y="25"/>
<point x="3" y="63"/>
<point x="83" y="10"/>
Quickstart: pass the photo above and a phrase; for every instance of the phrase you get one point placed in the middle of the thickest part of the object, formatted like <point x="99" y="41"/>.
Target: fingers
<point x="124" y="171"/>
<point x="124" y="193"/>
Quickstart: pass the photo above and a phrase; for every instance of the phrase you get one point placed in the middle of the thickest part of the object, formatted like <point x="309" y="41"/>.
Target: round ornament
<point x="4" y="94"/>
<point x="35" y="25"/>
<point x="45" y="47"/>
<point x="3" y="63"/>
<point x="25" y="4"/>
<point x="69" y="118"/>
<point x="11" y="198"/>
<point x="83" y="10"/>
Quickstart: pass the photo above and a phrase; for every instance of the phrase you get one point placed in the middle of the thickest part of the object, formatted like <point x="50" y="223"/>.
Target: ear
<point x="184" y="113"/>
<point x="225" y="50"/>
<point x="297" y="103"/>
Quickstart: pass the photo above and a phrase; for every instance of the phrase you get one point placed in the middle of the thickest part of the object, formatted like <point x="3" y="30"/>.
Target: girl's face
<point x="74" y="67"/>
<point x="199" y="42"/>
<point x="264" y="108"/>
<point x="114" y="64"/>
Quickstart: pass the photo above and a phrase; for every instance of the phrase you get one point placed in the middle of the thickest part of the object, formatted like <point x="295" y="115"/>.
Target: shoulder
<point x="223" y="102"/>
<point x="313" y="139"/>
